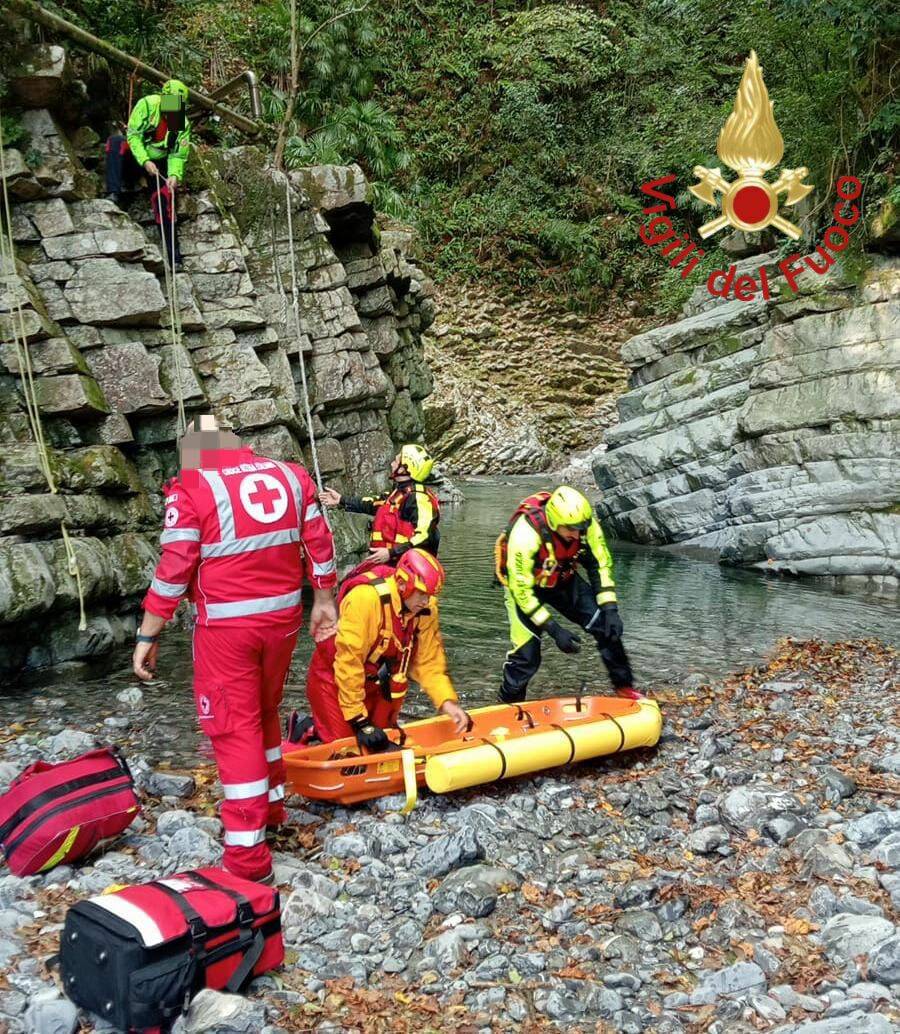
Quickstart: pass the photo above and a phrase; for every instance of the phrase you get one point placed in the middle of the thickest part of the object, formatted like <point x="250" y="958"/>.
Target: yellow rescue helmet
<point x="567" y="507"/>
<point x="417" y="461"/>
<point x="175" y="87"/>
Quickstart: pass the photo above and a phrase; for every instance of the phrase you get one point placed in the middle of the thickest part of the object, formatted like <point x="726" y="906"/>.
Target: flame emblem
<point x="750" y="144"/>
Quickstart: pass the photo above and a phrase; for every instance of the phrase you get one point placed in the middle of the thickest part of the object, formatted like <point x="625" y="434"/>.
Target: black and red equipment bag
<point x="57" y="813"/>
<point x="138" y="955"/>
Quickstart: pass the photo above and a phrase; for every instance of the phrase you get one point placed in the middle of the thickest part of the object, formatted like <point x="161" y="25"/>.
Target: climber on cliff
<point x="254" y="529"/>
<point x="157" y="140"/>
<point x="407" y="517"/>
<point x="537" y="558"/>
<point x="387" y="633"/>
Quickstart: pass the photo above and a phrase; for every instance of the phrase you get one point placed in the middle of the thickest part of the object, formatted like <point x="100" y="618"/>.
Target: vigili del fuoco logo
<point x="751" y="145"/>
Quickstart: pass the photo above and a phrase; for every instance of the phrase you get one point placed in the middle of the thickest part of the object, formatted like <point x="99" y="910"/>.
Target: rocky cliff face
<point x="88" y="298"/>
<point x="767" y="435"/>
<point x="519" y="384"/>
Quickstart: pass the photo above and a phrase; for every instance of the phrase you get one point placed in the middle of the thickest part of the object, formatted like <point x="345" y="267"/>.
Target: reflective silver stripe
<point x="312" y="512"/>
<point x="277" y="793"/>
<point x="320" y="570"/>
<point x="180" y="535"/>
<point x="295" y="487"/>
<point x="244" y="837"/>
<point x="241" y="791"/>
<point x="259" y="606"/>
<point x="223" y="503"/>
<point x="171" y="589"/>
<point x="133" y="915"/>
<point x="273" y="754"/>
<point x="590" y="624"/>
<point x="251" y="543"/>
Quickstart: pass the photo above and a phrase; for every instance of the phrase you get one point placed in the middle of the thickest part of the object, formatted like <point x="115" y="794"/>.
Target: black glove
<point x="609" y="622"/>
<point x="567" y="641"/>
<point x="369" y="736"/>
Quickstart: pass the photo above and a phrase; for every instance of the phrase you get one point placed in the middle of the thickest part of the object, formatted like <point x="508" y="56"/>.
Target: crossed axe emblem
<point x="750" y="202"/>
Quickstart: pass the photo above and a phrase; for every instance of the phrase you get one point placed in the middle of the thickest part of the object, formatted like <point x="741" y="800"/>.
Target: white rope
<point x="26" y="377"/>
<point x="295" y="307"/>
<point x="171" y="294"/>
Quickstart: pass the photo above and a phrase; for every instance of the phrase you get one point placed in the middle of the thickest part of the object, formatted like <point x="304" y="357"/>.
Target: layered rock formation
<point x="88" y="297"/>
<point x="767" y="435"/>
<point x="519" y="384"/>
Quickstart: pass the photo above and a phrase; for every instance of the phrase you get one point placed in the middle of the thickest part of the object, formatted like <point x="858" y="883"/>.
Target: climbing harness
<point x="26" y="378"/>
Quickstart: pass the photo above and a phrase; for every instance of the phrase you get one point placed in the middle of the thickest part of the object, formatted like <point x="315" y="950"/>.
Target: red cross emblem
<point x="263" y="497"/>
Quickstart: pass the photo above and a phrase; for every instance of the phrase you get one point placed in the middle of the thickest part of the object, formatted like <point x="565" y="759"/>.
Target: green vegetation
<point x="516" y="134"/>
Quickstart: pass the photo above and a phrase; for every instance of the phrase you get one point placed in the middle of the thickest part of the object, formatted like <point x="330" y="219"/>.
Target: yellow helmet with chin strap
<point x="417" y="461"/>
<point x="567" y="507"/>
<point x="175" y="87"/>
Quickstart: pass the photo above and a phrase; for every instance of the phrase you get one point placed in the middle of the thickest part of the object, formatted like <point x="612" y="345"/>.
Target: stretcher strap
<point x="408" y="763"/>
<point x="621" y="731"/>
<point x="524" y="716"/>
<point x="490" y="743"/>
<point x="571" y="742"/>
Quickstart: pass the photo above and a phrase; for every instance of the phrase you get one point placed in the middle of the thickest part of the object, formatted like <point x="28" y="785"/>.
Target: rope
<point x="171" y="294"/>
<point x="295" y="308"/>
<point x="26" y="377"/>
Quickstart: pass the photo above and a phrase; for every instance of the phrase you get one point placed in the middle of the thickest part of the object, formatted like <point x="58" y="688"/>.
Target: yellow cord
<point x="26" y="377"/>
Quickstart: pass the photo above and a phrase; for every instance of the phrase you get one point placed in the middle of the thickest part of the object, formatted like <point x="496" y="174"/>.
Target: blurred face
<point x="417" y="601"/>
<point x="195" y="443"/>
<point x="568" y="534"/>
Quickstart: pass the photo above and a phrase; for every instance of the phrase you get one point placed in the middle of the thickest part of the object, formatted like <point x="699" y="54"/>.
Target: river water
<point x="681" y="616"/>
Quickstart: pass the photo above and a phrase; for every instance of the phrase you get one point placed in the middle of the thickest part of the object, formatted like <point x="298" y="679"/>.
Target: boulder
<point x="39" y="77"/>
<point x="103" y="291"/>
<point x="473" y="890"/>
<point x="212" y="1011"/>
<point x="449" y="851"/>
<point x="128" y="375"/>
<point x="846" y="936"/>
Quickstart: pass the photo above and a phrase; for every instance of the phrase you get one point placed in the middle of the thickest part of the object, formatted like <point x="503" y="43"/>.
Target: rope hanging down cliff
<point x="295" y="309"/>
<point x="171" y="294"/>
<point x="26" y="377"/>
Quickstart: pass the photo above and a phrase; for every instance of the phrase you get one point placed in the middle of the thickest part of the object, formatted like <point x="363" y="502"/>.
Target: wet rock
<point x="194" y="847"/>
<point x="884" y="963"/>
<point x="223" y="1014"/>
<point x="53" y="1016"/>
<point x="708" y="839"/>
<point x="351" y="845"/>
<point x="449" y="852"/>
<point x="872" y="827"/>
<point x="837" y="785"/>
<point x="738" y="979"/>
<point x="640" y="924"/>
<point x="748" y="808"/>
<point x="887" y="852"/>
<point x="826" y="860"/>
<point x="133" y="696"/>
<point x="473" y="891"/>
<point x="889" y="763"/>
<point x="857" y="1022"/>
<point x="170" y="822"/>
<point x="69" y="743"/>
<point x="846" y="936"/>
<point x="169" y="784"/>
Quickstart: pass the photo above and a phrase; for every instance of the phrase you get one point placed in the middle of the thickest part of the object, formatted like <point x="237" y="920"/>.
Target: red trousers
<point x="322" y="693"/>
<point x="239" y="677"/>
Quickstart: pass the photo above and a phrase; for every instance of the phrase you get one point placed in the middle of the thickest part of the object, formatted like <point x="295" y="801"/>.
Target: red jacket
<point x="240" y="535"/>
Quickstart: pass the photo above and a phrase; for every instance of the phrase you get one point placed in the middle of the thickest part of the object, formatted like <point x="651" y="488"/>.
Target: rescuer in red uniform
<point x="240" y="534"/>
<point x="388" y="632"/>
<point x="406" y="518"/>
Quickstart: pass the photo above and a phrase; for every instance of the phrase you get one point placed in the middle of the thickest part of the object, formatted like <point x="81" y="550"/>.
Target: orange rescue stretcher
<point x="503" y="741"/>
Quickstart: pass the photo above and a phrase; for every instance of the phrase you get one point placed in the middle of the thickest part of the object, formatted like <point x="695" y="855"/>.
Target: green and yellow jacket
<point x="149" y="140"/>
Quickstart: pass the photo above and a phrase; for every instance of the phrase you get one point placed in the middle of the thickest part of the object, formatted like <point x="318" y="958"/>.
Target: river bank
<point x="743" y="876"/>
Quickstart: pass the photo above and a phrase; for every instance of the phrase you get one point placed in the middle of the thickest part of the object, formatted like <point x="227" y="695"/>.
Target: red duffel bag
<point x="57" y="813"/>
<point x="138" y="955"/>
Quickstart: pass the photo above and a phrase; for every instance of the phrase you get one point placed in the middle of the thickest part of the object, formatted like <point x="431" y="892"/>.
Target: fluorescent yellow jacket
<point x="524" y="567"/>
<point x="361" y="633"/>
<point x="142" y="125"/>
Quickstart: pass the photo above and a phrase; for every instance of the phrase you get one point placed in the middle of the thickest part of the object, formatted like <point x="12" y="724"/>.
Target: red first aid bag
<point x="57" y="813"/>
<point x="138" y="955"/>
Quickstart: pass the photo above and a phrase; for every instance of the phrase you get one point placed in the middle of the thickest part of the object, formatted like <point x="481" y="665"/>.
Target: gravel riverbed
<point x="743" y="876"/>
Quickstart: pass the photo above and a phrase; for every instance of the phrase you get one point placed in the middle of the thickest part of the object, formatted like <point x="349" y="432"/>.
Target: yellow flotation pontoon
<point x="503" y="741"/>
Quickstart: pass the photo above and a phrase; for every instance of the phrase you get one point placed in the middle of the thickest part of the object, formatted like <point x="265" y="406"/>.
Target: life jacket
<point x="390" y="528"/>
<point x="556" y="560"/>
<point x="388" y="661"/>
